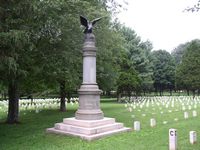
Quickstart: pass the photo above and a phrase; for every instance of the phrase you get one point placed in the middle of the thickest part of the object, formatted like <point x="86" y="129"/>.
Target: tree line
<point x="40" y="53"/>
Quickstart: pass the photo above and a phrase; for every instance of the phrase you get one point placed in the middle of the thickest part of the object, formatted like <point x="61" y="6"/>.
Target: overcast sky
<point x="163" y="22"/>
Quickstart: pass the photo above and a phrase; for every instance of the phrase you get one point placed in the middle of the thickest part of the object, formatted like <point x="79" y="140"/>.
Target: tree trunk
<point x="62" y="96"/>
<point x="68" y="97"/>
<point x="144" y="92"/>
<point x="170" y="91"/>
<point x="119" y="95"/>
<point x="13" y="106"/>
<point x="4" y="95"/>
<point x="1" y="96"/>
<point x="188" y="92"/>
<point x="129" y="96"/>
<point x="160" y="91"/>
<point x="108" y="93"/>
<point x="155" y="92"/>
<point x="193" y="94"/>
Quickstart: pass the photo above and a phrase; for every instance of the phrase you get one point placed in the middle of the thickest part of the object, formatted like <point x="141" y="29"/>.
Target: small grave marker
<point x="136" y="125"/>
<point x="194" y="113"/>
<point x="186" y="116"/>
<point x="193" y="137"/>
<point x="172" y="139"/>
<point x="152" y="122"/>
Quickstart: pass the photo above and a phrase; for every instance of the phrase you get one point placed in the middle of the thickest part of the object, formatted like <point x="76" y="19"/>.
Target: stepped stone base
<point x="88" y="129"/>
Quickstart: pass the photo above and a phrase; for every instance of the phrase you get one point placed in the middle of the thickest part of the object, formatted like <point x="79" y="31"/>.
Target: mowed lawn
<point x="30" y="134"/>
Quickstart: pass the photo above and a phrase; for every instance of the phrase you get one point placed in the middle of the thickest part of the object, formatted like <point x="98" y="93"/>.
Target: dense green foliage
<point x="178" y="52"/>
<point x="164" y="71"/>
<point x="128" y="82"/>
<point x="188" y="70"/>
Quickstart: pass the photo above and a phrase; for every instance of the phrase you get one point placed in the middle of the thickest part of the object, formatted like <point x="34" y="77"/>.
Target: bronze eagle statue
<point x="88" y="25"/>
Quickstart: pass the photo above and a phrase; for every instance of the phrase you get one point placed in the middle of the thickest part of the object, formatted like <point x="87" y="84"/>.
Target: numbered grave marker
<point x="172" y="139"/>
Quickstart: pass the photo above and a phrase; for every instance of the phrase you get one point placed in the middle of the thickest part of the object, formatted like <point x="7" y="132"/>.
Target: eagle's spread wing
<point x="95" y="20"/>
<point x="84" y="21"/>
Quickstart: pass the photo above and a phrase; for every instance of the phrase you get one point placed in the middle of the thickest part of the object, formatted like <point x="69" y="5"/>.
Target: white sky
<point x="162" y="22"/>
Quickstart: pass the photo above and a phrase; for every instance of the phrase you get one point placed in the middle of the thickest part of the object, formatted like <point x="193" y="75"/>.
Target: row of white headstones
<point x="166" y="102"/>
<point x="37" y="105"/>
<point x="153" y="120"/>
<point x="184" y="103"/>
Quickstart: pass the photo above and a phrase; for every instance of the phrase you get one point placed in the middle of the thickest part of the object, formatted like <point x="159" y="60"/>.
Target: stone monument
<point x="89" y="122"/>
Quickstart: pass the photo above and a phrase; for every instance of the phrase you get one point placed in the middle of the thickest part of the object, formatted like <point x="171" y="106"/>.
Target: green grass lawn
<point x="30" y="133"/>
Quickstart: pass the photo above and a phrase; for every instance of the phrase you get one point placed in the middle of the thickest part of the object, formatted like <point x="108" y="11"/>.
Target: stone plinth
<point x="88" y="129"/>
<point x="89" y="103"/>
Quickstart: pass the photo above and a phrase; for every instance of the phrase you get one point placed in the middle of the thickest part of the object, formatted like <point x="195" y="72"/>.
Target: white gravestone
<point x="136" y="125"/>
<point x="186" y="116"/>
<point x="193" y="137"/>
<point x="152" y="122"/>
<point x="194" y="113"/>
<point x="172" y="139"/>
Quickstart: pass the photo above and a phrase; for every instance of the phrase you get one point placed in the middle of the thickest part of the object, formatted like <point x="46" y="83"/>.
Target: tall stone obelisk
<point x="89" y="122"/>
<point x="89" y="93"/>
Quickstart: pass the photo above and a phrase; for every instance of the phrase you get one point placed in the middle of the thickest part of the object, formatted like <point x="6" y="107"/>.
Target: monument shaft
<point x="89" y="93"/>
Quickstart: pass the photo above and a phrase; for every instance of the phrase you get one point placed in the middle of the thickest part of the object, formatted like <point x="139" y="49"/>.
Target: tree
<point x="128" y="82"/>
<point x="40" y="42"/>
<point x="110" y="45"/>
<point x="187" y="73"/>
<point x="140" y="54"/>
<point x="178" y="52"/>
<point x="163" y="71"/>
<point x="16" y="49"/>
<point x="25" y="30"/>
<point x="61" y="61"/>
<point x="194" y="8"/>
<point x="146" y="70"/>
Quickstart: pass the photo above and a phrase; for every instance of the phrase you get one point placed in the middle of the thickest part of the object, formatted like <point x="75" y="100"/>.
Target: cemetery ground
<point x="31" y="134"/>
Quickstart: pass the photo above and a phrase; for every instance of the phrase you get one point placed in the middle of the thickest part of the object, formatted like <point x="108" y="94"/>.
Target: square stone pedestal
<point x="88" y="129"/>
